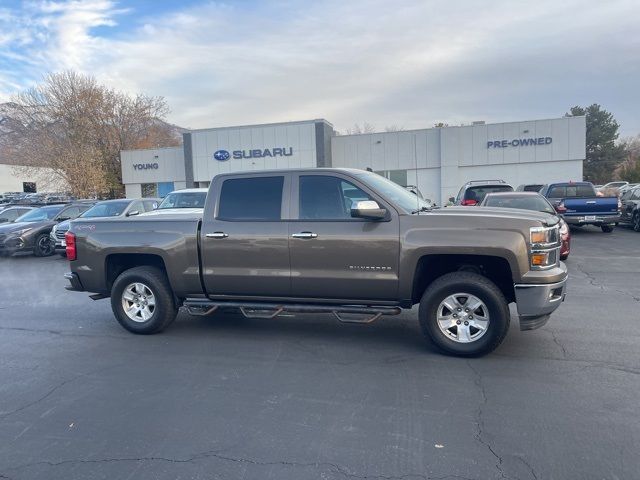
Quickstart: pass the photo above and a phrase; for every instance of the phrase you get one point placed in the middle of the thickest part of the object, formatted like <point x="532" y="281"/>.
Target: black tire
<point x="43" y="246"/>
<point x="155" y="280"/>
<point x="636" y="222"/>
<point x="473" y="284"/>
<point x="607" y="228"/>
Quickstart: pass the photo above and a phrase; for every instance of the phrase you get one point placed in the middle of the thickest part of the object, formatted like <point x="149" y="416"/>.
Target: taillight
<point x="70" y="239"/>
<point x="619" y="205"/>
<point x="469" y="203"/>
<point x="560" y="208"/>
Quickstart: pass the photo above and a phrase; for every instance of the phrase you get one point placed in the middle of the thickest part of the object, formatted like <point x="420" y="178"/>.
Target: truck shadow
<point x="312" y="329"/>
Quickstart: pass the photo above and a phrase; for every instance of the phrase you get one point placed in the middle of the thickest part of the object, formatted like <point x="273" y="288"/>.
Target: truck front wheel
<point x="142" y="300"/>
<point x="464" y="314"/>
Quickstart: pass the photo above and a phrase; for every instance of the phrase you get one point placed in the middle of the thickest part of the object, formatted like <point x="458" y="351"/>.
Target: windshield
<point x="397" y="194"/>
<point x="184" y="200"/>
<point x="536" y="203"/>
<point x="478" y="193"/>
<point x="106" y="209"/>
<point x="44" y="213"/>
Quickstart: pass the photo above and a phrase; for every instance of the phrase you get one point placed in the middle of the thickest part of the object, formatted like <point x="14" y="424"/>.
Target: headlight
<point x="544" y="247"/>
<point x="18" y="233"/>
<point x="543" y="235"/>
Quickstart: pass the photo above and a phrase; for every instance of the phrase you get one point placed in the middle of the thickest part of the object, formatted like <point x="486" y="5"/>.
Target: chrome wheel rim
<point x="463" y="318"/>
<point x="138" y="302"/>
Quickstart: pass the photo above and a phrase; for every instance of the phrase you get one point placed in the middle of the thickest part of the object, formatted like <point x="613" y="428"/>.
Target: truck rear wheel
<point x="464" y="314"/>
<point x="142" y="300"/>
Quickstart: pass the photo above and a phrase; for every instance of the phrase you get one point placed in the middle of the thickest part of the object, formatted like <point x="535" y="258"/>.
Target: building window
<point x="396" y="176"/>
<point x="28" y="187"/>
<point x="149" y="189"/>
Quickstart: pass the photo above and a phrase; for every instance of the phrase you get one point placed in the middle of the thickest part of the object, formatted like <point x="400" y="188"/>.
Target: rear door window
<point x="257" y="198"/>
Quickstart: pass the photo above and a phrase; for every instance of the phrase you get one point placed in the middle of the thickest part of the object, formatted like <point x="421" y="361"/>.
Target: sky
<point x="404" y="63"/>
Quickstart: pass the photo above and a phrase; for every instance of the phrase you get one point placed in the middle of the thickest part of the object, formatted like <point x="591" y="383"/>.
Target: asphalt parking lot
<point x="302" y="397"/>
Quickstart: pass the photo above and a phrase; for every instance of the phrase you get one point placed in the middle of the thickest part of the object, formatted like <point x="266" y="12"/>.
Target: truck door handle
<point x="217" y="235"/>
<point x="306" y="235"/>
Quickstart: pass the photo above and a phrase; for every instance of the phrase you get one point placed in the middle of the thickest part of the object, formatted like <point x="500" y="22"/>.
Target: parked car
<point x="10" y="214"/>
<point x="631" y="208"/>
<point x="627" y="187"/>
<point x="186" y="201"/>
<point x="292" y="241"/>
<point x="106" y="208"/>
<point x="531" y="201"/>
<point x="530" y="187"/>
<point x="472" y="193"/>
<point x="30" y="233"/>
<point x="579" y="205"/>
<point x="615" y="186"/>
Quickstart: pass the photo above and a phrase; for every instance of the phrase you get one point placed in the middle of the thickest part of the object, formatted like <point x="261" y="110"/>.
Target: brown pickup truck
<point x="347" y="242"/>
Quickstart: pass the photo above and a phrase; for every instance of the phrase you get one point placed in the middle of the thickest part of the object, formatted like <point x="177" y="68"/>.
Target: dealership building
<point x="436" y="160"/>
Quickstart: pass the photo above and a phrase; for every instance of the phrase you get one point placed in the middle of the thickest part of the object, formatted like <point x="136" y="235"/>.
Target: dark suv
<point x="631" y="208"/>
<point x="472" y="193"/>
<point x="30" y="232"/>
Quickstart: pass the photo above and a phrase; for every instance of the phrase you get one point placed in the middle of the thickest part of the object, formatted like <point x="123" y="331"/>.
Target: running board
<point x="272" y="310"/>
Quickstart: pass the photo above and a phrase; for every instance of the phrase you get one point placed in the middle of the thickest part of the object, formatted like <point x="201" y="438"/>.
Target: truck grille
<point x="60" y="233"/>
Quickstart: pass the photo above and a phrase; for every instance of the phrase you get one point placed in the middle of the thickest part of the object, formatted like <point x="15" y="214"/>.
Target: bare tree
<point x="393" y="128"/>
<point x="77" y="127"/>
<point x="358" y="130"/>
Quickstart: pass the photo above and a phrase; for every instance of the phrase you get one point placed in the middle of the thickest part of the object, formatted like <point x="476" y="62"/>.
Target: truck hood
<point x="488" y="213"/>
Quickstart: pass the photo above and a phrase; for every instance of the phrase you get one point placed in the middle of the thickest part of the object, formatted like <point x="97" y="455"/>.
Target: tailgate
<point x="591" y="206"/>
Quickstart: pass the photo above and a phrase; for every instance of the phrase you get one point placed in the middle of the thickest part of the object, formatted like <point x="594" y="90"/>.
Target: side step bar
<point x="272" y="310"/>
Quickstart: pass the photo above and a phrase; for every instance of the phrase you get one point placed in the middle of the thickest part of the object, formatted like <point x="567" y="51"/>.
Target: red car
<point x="530" y="201"/>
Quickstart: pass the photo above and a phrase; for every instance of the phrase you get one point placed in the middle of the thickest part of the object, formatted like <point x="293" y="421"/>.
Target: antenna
<point x="415" y="160"/>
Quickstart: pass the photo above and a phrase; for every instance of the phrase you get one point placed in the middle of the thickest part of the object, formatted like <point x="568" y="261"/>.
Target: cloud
<point x="410" y="63"/>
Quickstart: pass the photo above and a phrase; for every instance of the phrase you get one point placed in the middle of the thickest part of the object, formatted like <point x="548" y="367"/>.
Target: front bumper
<point x="591" y="219"/>
<point x="11" y="244"/>
<point x="536" y="302"/>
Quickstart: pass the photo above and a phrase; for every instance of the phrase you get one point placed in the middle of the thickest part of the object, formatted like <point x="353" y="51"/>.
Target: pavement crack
<point x="38" y="400"/>
<point x="61" y="333"/>
<point x="528" y="465"/>
<point x="334" y="467"/>
<point x="479" y="420"/>
<point x="590" y="277"/>
<point x="556" y="340"/>
<point x="50" y="392"/>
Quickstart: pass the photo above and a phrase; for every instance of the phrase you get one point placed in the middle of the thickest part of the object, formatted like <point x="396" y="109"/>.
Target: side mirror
<point x="63" y="219"/>
<point x="368" y="209"/>
<point x="452" y="199"/>
<point x="134" y="212"/>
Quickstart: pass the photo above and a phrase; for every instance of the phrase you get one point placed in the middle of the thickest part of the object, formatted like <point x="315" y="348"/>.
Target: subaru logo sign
<point x="221" y="155"/>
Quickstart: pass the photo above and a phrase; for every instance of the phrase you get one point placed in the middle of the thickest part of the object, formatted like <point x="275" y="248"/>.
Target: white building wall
<point x="167" y="165"/>
<point x="446" y="158"/>
<point x="133" y="190"/>
<point x="300" y="137"/>
<point x="12" y="178"/>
